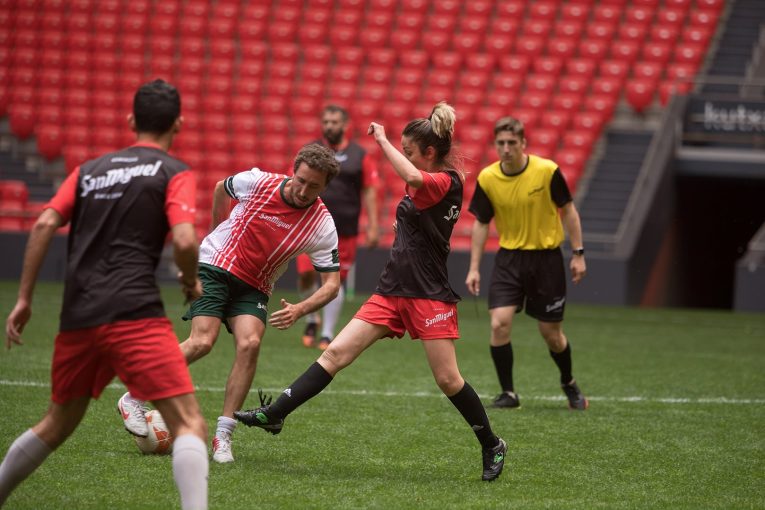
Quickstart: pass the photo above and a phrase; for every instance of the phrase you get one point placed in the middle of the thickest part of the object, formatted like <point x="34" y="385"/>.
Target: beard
<point x="333" y="137"/>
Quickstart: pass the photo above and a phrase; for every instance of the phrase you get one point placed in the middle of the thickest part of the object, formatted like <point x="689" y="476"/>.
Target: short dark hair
<point x="156" y="107"/>
<point x="319" y="158"/>
<point x="510" y="124"/>
<point x="333" y="108"/>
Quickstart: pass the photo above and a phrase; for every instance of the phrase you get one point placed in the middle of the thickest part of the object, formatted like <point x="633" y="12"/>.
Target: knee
<point x="199" y="345"/>
<point x="334" y="359"/>
<point x="449" y="382"/>
<point x="500" y="328"/>
<point x="555" y="340"/>
<point x="248" y="347"/>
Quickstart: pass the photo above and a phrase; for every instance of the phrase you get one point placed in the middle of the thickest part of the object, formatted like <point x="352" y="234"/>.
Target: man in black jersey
<point x="120" y="207"/>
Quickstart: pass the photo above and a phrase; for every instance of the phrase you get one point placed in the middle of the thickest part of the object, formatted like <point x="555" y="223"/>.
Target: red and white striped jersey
<point x="263" y="232"/>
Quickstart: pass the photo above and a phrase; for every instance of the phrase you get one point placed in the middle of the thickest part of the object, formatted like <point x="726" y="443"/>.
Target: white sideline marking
<point x="367" y="393"/>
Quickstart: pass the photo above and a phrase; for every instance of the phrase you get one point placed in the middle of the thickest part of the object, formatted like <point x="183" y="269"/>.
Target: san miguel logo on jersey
<point x="116" y="176"/>
<point x="453" y="213"/>
<point x="274" y="220"/>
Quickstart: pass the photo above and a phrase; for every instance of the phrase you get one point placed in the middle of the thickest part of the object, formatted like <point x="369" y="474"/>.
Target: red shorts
<point x="346" y="246"/>
<point x="426" y="319"/>
<point x="144" y="354"/>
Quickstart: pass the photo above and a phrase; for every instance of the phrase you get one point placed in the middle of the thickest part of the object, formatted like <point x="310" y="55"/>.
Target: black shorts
<point x="536" y="277"/>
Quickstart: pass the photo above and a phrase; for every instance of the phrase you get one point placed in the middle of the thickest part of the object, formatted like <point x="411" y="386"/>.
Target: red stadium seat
<point x="664" y="34"/>
<point x="590" y="121"/>
<point x="535" y="100"/>
<point x="531" y="46"/>
<point x="608" y="13"/>
<point x="50" y="142"/>
<point x="478" y="7"/>
<point x="605" y="104"/>
<point x="447" y="61"/>
<point x="503" y="27"/>
<point x="575" y="11"/>
<point x="529" y="117"/>
<point x="416" y="61"/>
<point x="639" y="94"/>
<point x="595" y="49"/>
<point x="614" y="69"/>
<point x="573" y="84"/>
<point x="581" y="67"/>
<point x="566" y="102"/>
<point x="515" y="64"/>
<point x="600" y="30"/>
<point x="610" y="87"/>
<point x="22" y="120"/>
<point x="658" y="52"/>
<point x="671" y="17"/>
<point x="381" y="57"/>
<point x="466" y="44"/>
<point x="543" y="141"/>
<point x="571" y="161"/>
<point x="568" y="29"/>
<point x="626" y="51"/>
<point x="286" y="31"/>
<point x="435" y="41"/>
<point x="543" y="10"/>
<point x="691" y="54"/>
<point x="548" y="65"/>
<point x="507" y="82"/>
<point x="635" y="32"/>
<point x="563" y="47"/>
<point x="582" y="140"/>
<point x="441" y="22"/>
<point x="371" y="38"/>
<point x="639" y="15"/>
<point x="536" y="27"/>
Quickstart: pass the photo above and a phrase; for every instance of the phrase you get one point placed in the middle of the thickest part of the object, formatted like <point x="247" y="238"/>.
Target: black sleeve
<point x="559" y="189"/>
<point x="480" y="205"/>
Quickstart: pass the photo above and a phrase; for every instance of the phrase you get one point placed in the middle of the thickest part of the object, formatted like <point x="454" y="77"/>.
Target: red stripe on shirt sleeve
<point x="181" y="198"/>
<point x="434" y="188"/>
<point x="370" y="176"/>
<point x="63" y="201"/>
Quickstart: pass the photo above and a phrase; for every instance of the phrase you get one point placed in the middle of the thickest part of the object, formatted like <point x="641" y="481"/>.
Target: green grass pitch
<point x="676" y="420"/>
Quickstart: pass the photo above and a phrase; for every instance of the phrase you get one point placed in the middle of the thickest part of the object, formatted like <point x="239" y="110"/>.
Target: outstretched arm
<point x="37" y="247"/>
<point x="403" y="167"/>
<point x="289" y="313"/>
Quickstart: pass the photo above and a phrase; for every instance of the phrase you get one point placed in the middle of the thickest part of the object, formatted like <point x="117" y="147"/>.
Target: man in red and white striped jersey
<point x="276" y="218"/>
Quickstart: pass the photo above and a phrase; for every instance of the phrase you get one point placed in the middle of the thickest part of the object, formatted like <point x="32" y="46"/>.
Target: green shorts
<point x="225" y="295"/>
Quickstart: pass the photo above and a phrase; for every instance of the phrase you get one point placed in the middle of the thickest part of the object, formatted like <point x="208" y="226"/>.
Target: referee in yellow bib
<point x="529" y="200"/>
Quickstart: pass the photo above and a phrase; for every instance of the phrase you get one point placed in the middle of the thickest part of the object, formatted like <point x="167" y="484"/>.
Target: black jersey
<point x="417" y="264"/>
<point x="118" y="229"/>
<point x="343" y="194"/>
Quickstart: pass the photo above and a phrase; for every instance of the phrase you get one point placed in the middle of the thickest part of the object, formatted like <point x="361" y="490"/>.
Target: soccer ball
<point x="159" y="440"/>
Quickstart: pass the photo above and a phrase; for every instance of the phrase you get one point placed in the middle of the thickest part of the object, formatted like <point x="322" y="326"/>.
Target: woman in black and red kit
<point x="413" y="294"/>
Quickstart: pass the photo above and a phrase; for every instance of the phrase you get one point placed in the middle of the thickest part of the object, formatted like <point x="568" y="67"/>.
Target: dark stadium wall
<point x="716" y="218"/>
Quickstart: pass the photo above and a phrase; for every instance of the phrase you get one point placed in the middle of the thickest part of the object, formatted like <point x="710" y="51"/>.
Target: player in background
<point x="275" y="219"/>
<point x="525" y="194"/>
<point x="121" y="207"/>
<point x="413" y="294"/>
<point x="357" y="180"/>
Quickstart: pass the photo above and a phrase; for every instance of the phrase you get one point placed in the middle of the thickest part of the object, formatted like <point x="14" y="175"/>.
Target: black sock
<point x="563" y="360"/>
<point x="469" y="405"/>
<point x="304" y="388"/>
<point x="503" y="363"/>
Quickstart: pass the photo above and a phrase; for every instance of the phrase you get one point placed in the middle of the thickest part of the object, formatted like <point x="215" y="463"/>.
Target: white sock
<point x="25" y="455"/>
<point x="226" y="424"/>
<point x="312" y="317"/>
<point x="332" y="314"/>
<point x="190" y="470"/>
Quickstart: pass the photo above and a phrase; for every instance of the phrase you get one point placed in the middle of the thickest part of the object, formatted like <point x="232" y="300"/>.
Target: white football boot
<point x="133" y="413"/>
<point x="222" y="447"/>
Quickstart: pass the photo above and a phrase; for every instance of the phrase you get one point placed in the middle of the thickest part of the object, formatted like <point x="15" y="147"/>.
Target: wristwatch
<point x="578" y="251"/>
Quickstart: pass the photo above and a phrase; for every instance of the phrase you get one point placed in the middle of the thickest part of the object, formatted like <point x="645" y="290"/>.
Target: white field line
<point x="367" y="393"/>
